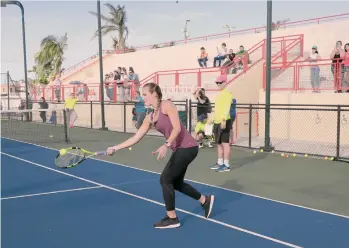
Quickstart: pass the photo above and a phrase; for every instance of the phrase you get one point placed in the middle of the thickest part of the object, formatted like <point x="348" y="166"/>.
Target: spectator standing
<point x="203" y="104"/>
<point x="315" y="69"/>
<point x="43" y="105"/>
<point x="69" y="105"/>
<point x="336" y="67"/>
<point x="133" y="77"/>
<point x="140" y="109"/>
<point x="345" y="83"/>
<point x="232" y="118"/>
<point x="222" y="125"/>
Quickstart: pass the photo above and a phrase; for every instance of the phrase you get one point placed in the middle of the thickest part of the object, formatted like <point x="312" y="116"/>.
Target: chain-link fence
<point x="319" y="130"/>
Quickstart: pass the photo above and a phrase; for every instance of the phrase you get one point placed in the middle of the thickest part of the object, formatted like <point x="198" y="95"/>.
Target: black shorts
<point x="222" y="136"/>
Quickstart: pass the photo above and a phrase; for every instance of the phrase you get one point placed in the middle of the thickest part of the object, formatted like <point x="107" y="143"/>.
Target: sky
<point x="149" y="23"/>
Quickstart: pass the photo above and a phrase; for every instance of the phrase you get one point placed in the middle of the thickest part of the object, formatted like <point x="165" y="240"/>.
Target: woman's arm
<point x="170" y="109"/>
<point x="135" y="138"/>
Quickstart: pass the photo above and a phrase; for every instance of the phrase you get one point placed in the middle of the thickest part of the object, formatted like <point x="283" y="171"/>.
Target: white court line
<point x="157" y="203"/>
<point x="210" y="185"/>
<point x="51" y="192"/>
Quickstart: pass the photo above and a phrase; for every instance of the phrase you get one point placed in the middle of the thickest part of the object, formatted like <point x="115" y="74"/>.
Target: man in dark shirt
<point x="204" y="104"/>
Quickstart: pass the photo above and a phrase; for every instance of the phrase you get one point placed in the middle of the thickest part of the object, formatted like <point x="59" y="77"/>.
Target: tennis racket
<point x="72" y="156"/>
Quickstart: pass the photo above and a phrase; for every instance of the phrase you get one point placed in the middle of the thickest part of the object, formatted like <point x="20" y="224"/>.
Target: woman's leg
<point x="172" y="178"/>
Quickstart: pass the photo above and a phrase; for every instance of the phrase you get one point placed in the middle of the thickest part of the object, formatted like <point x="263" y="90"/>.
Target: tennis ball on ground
<point x="294" y="155"/>
<point x="272" y="151"/>
<point x="332" y="158"/>
<point x="51" y="136"/>
<point x="261" y="150"/>
<point x="254" y="152"/>
<point x="282" y="154"/>
<point x="62" y="152"/>
<point x="130" y="148"/>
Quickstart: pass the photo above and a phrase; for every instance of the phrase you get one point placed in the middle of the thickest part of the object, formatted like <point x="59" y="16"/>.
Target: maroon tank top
<point x="164" y="126"/>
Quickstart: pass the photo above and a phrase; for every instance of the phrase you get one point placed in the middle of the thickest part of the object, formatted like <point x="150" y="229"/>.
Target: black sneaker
<point x="167" y="222"/>
<point x="207" y="206"/>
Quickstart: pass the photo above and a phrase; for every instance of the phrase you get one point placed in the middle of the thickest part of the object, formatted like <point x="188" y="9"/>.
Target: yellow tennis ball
<point x="261" y="150"/>
<point x="51" y="136"/>
<point x="273" y="151"/>
<point x="63" y="152"/>
<point x="254" y="152"/>
<point x="332" y="158"/>
<point x="130" y="148"/>
<point x="306" y="155"/>
<point x="282" y="154"/>
<point x="294" y="155"/>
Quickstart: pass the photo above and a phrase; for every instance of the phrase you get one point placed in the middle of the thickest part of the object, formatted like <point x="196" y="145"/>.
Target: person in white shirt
<point x="221" y="55"/>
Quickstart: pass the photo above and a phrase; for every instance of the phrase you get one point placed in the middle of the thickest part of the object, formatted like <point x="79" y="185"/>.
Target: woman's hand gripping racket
<point x="72" y="156"/>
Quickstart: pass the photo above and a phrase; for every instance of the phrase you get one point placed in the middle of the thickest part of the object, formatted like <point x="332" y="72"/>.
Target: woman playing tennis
<point x="166" y="120"/>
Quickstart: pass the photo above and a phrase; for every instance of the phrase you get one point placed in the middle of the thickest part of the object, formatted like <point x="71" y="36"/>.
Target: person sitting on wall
<point x="243" y="57"/>
<point x="203" y="57"/>
<point x="221" y="55"/>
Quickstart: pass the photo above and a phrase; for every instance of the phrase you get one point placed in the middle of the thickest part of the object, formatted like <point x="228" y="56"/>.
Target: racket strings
<point x="70" y="158"/>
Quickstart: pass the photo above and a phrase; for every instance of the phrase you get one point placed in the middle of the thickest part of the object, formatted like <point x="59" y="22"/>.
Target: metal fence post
<point x="250" y="126"/>
<point x="91" y="114"/>
<point x="124" y="117"/>
<point x="338" y="132"/>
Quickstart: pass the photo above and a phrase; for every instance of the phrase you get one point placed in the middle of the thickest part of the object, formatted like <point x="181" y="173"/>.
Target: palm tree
<point x="50" y="58"/>
<point x="115" y="22"/>
<point x="276" y="25"/>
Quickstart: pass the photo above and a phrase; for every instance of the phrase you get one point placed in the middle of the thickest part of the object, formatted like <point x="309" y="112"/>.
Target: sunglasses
<point x="219" y="82"/>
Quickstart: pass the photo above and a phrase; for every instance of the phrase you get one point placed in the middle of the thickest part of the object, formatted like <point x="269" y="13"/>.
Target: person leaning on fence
<point x="222" y="125"/>
<point x="140" y="110"/>
<point x="69" y="106"/>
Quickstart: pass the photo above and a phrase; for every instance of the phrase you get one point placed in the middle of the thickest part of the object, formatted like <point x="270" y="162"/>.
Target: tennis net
<point x="41" y="126"/>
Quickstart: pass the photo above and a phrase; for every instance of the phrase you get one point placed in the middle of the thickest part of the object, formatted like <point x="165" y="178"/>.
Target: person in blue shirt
<point x="140" y="109"/>
<point x="232" y="118"/>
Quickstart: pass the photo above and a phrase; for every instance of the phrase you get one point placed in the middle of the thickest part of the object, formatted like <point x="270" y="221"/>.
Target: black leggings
<point x="172" y="177"/>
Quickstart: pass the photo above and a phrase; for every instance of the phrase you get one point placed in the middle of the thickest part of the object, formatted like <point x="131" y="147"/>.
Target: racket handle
<point x="100" y="153"/>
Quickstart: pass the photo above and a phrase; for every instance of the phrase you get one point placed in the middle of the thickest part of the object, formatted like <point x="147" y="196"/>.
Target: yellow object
<point x="306" y="155"/>
<point x="282" y="154"/>
<point x="294" y="155"/>
<point x="326" y="158"/>
<point x="261" y="150"/>
<point x="254" y="152"/>
<point x="222" y="106"/>
<point x="332" y="158"/>
<point x="51" y="136"/>
<point x="200" y="126"/>
<point x="130" y="148"/>
<point x="62" y="152"/>
<point x="70" y="103"/>
<point x="273" y="151"/>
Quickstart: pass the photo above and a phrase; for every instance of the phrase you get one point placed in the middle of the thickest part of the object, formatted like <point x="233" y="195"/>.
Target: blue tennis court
<point x="103" y="204"/>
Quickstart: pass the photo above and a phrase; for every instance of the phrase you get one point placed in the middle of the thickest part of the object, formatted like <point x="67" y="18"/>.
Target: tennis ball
<point x="273" y="151"/>
<point x="261" y="150"/>
<point x="282" y="154"/>
<point x="63" y="152"/>
<point x="51" y="136"/>
<point x="306" y="155"/>
<point x="332" y="158"/>
<point x="326" y="158"/>
<point x="130" y="148"/>
<point x="294" y="155"/>
<point x="254" y="152"/>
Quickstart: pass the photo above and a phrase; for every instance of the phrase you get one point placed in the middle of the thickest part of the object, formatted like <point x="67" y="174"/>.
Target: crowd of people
<point x="339" y="67"/>
<point x="226" y="58"/>
<point x="121" y="79"/>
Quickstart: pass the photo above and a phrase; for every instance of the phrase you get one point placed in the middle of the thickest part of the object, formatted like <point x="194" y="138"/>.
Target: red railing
<point x="318" y="20"/>
<point x="205" y="76"/>
<point x="324" y="75"/>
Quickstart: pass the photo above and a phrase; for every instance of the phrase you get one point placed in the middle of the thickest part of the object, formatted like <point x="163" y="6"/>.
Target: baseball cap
<point x="221" y="78"/>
